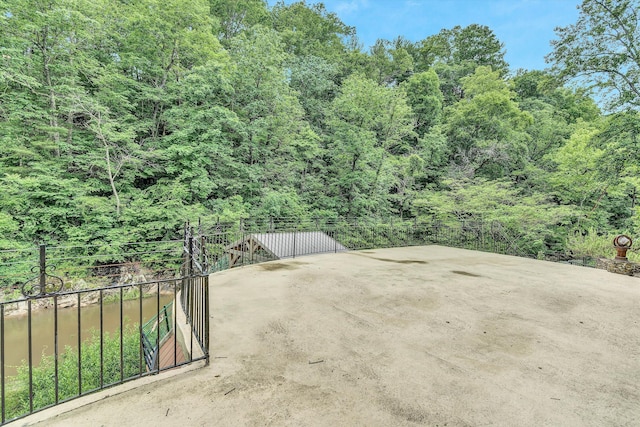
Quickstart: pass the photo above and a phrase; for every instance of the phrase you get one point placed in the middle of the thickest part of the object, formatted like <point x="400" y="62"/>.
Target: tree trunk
<point x="111" y="178"/>
<point x="107" y="156"/>
<point x="53" y="106"/>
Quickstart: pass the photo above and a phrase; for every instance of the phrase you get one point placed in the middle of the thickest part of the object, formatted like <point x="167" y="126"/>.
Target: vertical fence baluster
<point x="79" y="346"/>
<point x="121" y="335"/>
<point x="140" y="333"/>
<point x="156" y="364"/>
<point x="206" y="319"/>
<point x="43" y="269"/>
<point x="55" y="347"/>
<point x="175" y="323"/>
<point x="30" y="349"/>
<point x="101" y="340"/>
<point x="199" y="308"/>
<point x="190" y="283"/>
<point x="2" y="359"/>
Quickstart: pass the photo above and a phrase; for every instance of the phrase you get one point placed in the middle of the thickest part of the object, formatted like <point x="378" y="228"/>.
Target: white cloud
<point x="351" y="6"/>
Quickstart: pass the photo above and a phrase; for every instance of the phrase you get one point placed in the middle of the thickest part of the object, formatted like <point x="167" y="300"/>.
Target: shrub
<point x="17" y="393"/>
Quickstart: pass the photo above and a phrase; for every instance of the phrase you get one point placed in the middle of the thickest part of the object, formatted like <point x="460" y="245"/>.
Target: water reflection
<point x="42" y="325"/>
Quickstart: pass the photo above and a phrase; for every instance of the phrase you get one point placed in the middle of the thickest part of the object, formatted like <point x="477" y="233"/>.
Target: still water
<point x="16" y="337"/>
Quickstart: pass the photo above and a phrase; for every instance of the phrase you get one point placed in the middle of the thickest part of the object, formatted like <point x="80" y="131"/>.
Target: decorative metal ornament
<point x="44" y="283"/>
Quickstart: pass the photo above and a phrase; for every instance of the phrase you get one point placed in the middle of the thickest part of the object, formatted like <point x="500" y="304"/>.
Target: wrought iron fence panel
<point x="57" y="346"/>
<point x="98" y="277"/>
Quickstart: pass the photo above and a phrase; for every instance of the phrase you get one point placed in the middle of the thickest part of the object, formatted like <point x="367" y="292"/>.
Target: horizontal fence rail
<point x="33" y="271"/>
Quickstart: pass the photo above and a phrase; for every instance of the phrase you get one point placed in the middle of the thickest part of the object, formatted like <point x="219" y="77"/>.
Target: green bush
<point x="17" y="392"/>
<point x="596" y="245"/>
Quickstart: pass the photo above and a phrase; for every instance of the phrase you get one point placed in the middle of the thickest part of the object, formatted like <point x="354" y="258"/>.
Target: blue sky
<point x="524" y="26"/>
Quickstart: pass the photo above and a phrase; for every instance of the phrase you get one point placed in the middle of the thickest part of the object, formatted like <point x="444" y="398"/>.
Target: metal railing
<point x="46" y="268"/>
<point x="85" y="318"/>
<point x="195" y="289"/>
<point x="194" y="301"/>
<point x="248" y="242"/>
<point x="154" y="333"/>
<point x="122" y="287"/>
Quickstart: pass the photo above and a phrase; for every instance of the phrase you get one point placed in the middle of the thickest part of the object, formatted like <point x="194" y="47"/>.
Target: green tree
<point x="198" y="151"/>
<point x="159" y="41"/>
<point x="576" y="179"/>
<point x="389" y="64"/>
<point x="602" y="48"/>
<point x="486" y="130"/>
<point x="369" y="123"/>
<point x="311" y="30"/>
<point x="235" y="16"/>
<point x="456" y="53"/>
<point x="276" y="142"/>
<point x="425" y="98"/>
<point x="316" y="82"/>
<point x="479" y="45"/>
<point x="44" y="46"/>
<point x="620" y="166"/>
<point x="539" y="224"/>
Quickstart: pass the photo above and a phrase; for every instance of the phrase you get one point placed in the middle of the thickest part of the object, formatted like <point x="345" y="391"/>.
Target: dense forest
<point x="120" y="119"/>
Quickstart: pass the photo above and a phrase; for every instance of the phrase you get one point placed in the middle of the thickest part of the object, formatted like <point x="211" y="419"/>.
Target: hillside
<point x="119" y="120"/>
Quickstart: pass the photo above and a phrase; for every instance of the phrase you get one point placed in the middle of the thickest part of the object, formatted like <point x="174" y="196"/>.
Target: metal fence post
<point x="190" y="263"/>
<point x="205" y="257"/>
<point x="206" y="319"/>
<point x="2" y="361"/>
<point x="43" y="269"/>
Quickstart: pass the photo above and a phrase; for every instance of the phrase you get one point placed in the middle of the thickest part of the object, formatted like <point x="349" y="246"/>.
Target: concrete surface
<point x="408" y="336"/>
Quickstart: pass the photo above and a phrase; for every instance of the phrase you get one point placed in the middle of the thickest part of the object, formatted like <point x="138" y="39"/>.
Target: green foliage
<point x="576" y="179"/>
<point x="119" y="120"/>
<point x="281" y="204"/>
<point x="602" y="48"/>
<point x="316" y="81"/>
<point x="310" y="30"/>
<point x="235" y="16"/>
<point x="474" y="44"/>
<point x="370" y="124"/>
<point x="17" y="399"/>
<point x="537" y="223"/>
<point x="596" y="245"/>
<point x="487" y="131"/>
<point x="456" y="53"/>
<point x="425" y="98"/>
<point x="389" y="64"/>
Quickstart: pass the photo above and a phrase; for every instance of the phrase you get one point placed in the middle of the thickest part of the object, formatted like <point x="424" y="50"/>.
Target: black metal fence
<point x="247" y="242"/>
<point x="75" y="320"/>
<point x="195" y="289"/>
<point x="78" y="319"/>
<point x="250" y="241"/>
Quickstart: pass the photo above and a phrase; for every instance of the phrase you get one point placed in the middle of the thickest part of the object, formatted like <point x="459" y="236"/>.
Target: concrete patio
<point x="407" y="336"/>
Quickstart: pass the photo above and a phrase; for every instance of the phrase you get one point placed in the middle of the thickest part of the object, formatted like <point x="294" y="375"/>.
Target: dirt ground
<point x="408" y="336"/>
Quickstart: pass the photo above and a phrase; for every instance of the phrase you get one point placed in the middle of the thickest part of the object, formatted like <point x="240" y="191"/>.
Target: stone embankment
<point x="68" y="298"/>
